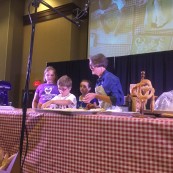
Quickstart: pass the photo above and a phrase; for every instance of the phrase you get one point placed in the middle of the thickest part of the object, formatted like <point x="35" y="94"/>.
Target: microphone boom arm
<point x="58" y="12"/>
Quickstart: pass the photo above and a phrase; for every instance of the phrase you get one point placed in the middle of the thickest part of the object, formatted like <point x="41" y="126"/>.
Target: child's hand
<point x="47" y="104"/>
<point x="39" y="105"/>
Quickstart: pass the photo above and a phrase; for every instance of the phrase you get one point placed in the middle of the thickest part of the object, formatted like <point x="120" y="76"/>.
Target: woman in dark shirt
<point x="108" y="89"/>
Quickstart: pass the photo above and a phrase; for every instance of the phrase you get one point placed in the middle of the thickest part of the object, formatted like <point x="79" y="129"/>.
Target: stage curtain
<point x="157" y="66"/>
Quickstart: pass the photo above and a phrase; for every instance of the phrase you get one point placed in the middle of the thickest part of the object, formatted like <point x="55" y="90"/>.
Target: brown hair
<point x="88" y="81"/>
<point x="65" y="81"/>
<point x="46" y="70"/>
<point x="99" y="60"/>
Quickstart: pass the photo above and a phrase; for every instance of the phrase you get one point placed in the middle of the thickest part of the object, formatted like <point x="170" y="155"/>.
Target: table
<point x="92" y="143"/>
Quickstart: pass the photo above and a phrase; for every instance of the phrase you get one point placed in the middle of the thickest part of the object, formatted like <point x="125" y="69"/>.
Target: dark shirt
<point x="112" y="87"/>
<point x="81" y="104"/>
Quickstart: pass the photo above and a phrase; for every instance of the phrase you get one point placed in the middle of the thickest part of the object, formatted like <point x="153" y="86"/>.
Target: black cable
<point x="26" y="150"/>
<point x="25" y="96"/>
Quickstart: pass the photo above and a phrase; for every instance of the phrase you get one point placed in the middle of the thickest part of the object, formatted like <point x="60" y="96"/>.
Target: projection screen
<point x="126" y="27"/>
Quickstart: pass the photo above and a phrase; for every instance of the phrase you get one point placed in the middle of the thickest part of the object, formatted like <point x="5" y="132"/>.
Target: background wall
<point x="55" y="41"/>
<point x="4" y="20"/>
<point x="11" y="34"/>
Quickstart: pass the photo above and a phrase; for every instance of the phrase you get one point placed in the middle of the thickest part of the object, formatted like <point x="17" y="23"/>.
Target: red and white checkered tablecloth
<point x="98" y="144"/>
<point x="10" y="128"/>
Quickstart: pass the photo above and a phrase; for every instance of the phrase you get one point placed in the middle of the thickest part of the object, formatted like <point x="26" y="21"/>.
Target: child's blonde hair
<point x="48" y="68"/>
<point x="65" y="81"/>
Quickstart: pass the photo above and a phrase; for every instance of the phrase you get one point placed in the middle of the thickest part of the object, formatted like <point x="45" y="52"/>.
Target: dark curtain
<point x="77" y="70"/>
<point x="158" y="68"/>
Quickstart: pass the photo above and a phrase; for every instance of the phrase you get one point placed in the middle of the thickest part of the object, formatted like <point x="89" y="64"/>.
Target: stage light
<point x="36" y="83"/>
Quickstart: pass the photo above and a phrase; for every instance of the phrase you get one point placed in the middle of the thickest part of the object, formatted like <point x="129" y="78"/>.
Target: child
<point x="85" y="87"/>
<point x="47" y="90"/>
<point x="65" y="99"/>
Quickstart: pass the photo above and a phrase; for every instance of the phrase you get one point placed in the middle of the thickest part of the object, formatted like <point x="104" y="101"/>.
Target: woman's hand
<point x="89" y="97"/>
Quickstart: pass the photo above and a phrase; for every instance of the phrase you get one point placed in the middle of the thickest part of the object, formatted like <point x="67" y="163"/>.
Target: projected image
<point x="124" y="27"/>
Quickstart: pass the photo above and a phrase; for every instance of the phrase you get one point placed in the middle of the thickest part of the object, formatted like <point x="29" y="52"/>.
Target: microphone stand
<point x="58" y="12"/>
<point x="35" y="3"/>
<point x="25" y="96"/>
